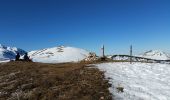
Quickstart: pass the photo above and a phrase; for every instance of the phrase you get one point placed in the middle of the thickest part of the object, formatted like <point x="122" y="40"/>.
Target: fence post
<point x="131" y="54"/>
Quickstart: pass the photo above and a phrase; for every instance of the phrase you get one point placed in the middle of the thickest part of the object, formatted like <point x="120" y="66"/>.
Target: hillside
<point x="38" y="81"/>
<point x="156" y="54"/>
<point x="58" y="55"/>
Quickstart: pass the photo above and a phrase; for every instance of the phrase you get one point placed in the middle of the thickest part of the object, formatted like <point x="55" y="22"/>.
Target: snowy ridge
<point x="141" y="81"/>
<point x="121" y="57"/>
<point x="156" y="54"/>
<point x="134" y="58"/>
<point x="8" y="53"/>
<point x="153" y="55"/>
<point x="58" y="55"/>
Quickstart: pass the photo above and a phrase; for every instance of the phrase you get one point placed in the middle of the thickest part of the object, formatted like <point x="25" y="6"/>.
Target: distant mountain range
<point x="8" y="53"/>
<point x="151" y="55"/>
<point x="156" y="54"/>
<point x="62" y="54"/>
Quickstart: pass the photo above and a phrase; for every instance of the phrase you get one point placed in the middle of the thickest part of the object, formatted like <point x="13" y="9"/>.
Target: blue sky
<point x="37" y="24"/>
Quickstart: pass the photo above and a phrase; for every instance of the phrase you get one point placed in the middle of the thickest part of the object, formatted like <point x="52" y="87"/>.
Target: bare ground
<point x="37" y="81"/>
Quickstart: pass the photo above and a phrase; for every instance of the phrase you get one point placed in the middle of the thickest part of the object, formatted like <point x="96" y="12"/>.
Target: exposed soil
<point x="37" y="81"/>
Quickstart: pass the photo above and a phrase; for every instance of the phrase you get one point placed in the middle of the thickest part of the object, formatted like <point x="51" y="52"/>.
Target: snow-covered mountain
<point x="156" y="54"/>
<point x="8" y="53"/>
<point x="151" y="56"/>
<point x="58" y="55"/>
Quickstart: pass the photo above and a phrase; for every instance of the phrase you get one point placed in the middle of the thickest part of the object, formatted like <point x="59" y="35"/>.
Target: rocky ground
<point x="37" y="81"/>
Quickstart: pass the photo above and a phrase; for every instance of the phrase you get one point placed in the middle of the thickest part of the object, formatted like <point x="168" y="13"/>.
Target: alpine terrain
<point x="8" y="53"/>
<point x="58" y="55"/>
<point x="156" y="54"/>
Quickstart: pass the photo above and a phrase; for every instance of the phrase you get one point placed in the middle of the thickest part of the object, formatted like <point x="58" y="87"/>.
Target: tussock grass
<point x="37" y="81"/>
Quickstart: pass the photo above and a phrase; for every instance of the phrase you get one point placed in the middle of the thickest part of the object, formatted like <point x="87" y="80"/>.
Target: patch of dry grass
<point x="37" y="81"/>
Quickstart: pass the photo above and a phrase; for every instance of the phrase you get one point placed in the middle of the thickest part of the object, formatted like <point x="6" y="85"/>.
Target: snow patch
<point x="141" y="81"/>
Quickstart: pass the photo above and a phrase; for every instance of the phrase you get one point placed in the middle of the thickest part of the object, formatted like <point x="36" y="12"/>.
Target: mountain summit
<point x="156" y="54"/>
<point x="58" y="55"/>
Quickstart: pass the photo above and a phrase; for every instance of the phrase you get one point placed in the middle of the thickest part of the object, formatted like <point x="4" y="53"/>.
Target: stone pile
<point x="92" y="57"/>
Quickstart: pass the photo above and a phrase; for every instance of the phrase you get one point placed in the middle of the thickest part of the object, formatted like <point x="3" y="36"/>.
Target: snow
<point x="156" y="54"/>
<point x="141" y="81"/>
<point x="4" y="61"/>
<point x="152" y="56"/>
<point x="58" y="55"/>
<point x="121" y="58"/>
<point x="7" y="53"/>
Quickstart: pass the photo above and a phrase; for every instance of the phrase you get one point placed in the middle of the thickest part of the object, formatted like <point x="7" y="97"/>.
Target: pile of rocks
<point x="92" y="57"/>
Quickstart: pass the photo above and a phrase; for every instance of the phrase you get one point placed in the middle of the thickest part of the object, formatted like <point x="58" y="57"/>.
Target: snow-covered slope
<point x="141" y="81"/>
<point x="156" y="54"/>
<point x="8" y="53"/>
<point x="119" y="57"/>
<point x="58" y="55"/>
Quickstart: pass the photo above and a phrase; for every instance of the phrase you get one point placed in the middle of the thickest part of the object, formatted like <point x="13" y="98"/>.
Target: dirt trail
<point x="37" y="81"/>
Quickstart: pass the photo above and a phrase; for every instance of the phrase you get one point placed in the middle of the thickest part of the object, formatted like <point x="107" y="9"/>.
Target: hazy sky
<point x="37" y="24"/>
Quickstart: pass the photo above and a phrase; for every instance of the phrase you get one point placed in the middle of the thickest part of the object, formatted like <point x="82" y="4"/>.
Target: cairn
<point x="91" y="57"/>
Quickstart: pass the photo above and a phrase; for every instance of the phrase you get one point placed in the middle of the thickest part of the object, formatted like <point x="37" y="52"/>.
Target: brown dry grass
<point x="37" y="81"/>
